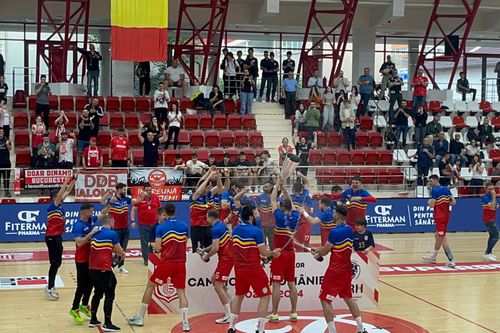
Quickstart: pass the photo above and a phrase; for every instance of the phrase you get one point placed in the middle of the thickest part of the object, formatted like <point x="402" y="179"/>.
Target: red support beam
<point x="53" y="50"/>
<point x="203" y="48"/>
<point x="460" y="22"/>
<point x="319" y="19"/>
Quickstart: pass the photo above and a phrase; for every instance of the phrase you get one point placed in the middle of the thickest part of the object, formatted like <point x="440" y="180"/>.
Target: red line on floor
<point x="437" y="306"/>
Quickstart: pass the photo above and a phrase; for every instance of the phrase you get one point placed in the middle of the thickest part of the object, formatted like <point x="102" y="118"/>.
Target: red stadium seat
<point x="371" y="157"/>
<point x="112" y="103"/>
<point x="218" y="154"/>
<point x="202" y="154"/>
<point x="220" y="122"/>
<point x="344" y="157"/>
<point x="234" y="121"/>
<point x="321" y="138"/>
<point x="322" y="176"/>
<point x="376" y="139"/>
<point x="131" y="120"/>
<point x="459" y="122"/>
<point x="127" y="104"/>
<point x="186" y="154"/>
<point x="367" y="176"/>
<point x="20" y="119"/>
<point x="170" y="156"/>
<point x="256" y="140"/>
<point x="19" y="99"/>
<point x="211" y="139"/>
<point x="138" y="156"/>
<point x="191" y="122"/>
<point x="395" y="175"/>
<point x="241" y="139"/>
<point x="142" y="104"/>
<point x="358" y="157"/>
<point x="8" y="201"/>
<point x="52" y="118"/>
<point x="104" y="120"/>
<point x="250" y="154"/>
<point x="23" y="157"/>
<point x="32" y="102"/>
<point x="22" y="138"/>
<point x="185" y="103"/>
<point x="226" y="139"/>
<point x="248" y="122"/>
<point x="337" y="176"/>
<point x="495" y="122"/>
<point x="183" y="138"/>
<point x="495" y="155"/>
<point x="54" y="102"/>
<point x="67" y="103"/>
<point x="333" y="139"/>
<point x="362" y="139"/>
<point x="43" y="200"/>
<point x="229" y="106"/>
<point x="116" y="120"/>
<point x="205" y="122"/>
<point x="329" y="156"/>
<point x="366" y="123"/>
<point x="133" y="138"/>
<point x="435" y="106"/>
<point x="196" y="139"/>
<point x="80" y="102"/>
<point x="385" y="157"/>
<point x="315" y="157"/>
<point x="104" y="138"/>
<point x="105" y="156"/>
<point x="72" y="118"/>
<point x="485" y="106"/>
<point x="233" y="154"/>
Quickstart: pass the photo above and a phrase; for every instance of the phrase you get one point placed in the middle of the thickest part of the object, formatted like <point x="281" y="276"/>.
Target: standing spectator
<point x="289" y="92"/>
<point x="176" y="77"/>
<point x="387" y="70"/>
<point x="497" y="70"/>
<point x="445" y="170"/>
<point x="5" y="117"/>
<point x="2" y="65"/>
<point x="313" y="116"/>
<point x="46" y="153"/>
<point x="5" y="165"/>
<point x="302" y="148"/>
<point x="174" y="126"/>
<point x="288" y="65"/>
<point x="194" y="170"/>
<point x="93" y="155"/>
<point x="150" y="146"/>
<point x="120" y="153"/>
<point x="477" y="180"/>
<point x="434" y="127"/>
<point x="341" y="84"/>
<point x="419" y="85"/>
<point x="425" y="156"/>
<point x="485" y="130"/>
<point x="230" y="70"/>
<point x="37" y="131"/>
<point x="464" y="87"/>
<point x="161" y="98"/>
<point x="284" y="150"/>
<point x="42" y="92"/>
<point x="314" y="83"/>
<point x="239" y="74"/>
<point x="247" y="92"/>
<point x="366" y="87"/>
<point x="252" y="65"/>
<point x="275" y="67"/>
<point x="457" y="151"/>
<point x="65" y="150"/>
<point x="4" y="88"/>
<point x="143" y="71"/>
<point x="152" y="126"/>
<point x="420" y="126"/>
<point x="300" y="118"/>
<point x="222" y="67"/>
<point x="92" y="58"/>
<point x="86" y="127"/>
<point x="96" y="112"/>
<point x="266" y="68"/>
<point x="60" y="124"/>
<point x="215" y="101"/>
<point x="395" y="83"/>
<point x="348" y="119"/>
<point x="328" y="99"/>
<point x="401" y="116"/>
<point x="354" y="99"/>
<point x="441" y="146"/>
<point x="472" y="150"/>
<point x="146" y="205"/>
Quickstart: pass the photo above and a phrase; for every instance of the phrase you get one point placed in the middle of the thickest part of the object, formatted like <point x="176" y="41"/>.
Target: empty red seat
<point x="229" y="106"/>
<point x="116" y="120"/>
<point x="394" y="175"/>
<point x="376" y="139"/>
<point x="112" y="103"/>
<point x="104" y="120"/>
<point x="218" y="154"/>
<point x="337" y="176"/>
<point x="344" y="157"/>
<point x="459" y="122"/>
<point x="54" y="102"/>
<point x="333" y="139"/>
<point x="202" y="154"/>
<point x="385" y="157"/>
<point x="23" y="157"/>
<point x="185" y="103"/>
<point x="43" y="200"/>
<point x="186" y="154"/>
<point x="220" y="122"/>
<point x="211" y="139"/>
<point x="20" y="119"/>
<point x="434" y="106"/>
<point x="234" y="121"/>
<point x="196" y="139"/>
<point x="72" y="118"/>
<point x="191" y="122"/>
<point x="8" y="201"/>
<point x="205" y="121"/>
<point x="367" y="176"/>
<point x="169" y="156"/>
<point x="80" y="102"/>
<point x="485" y="106"/>
<point x="233" y="154"/>
<point x="371" y="157"/>
<point x="366" y="123"/>
<point x="142" y="104"/>
<point x="495" y="122"/>
<point x="133" y="138"/>
<point x="315" y="157"/>
<point x="183" y="138"/>
<point x="495" y="155"/>
<point x="241" y="139"/>
<point x="256" y="140"/>
<point x="362" y="139"/>
<point x="67" y="103"/>
<point x="22" y="138"/>
<point x="105" y="156"/>
<point x="138" y="156"/>
<point x="226" y="139"/>
<point x="321" y="139"/>
<point x="32" y="102"/>
<point x="127" y="104"/>
<point x="19" y="99"/>
<point x="358" y="157"/>
<point x="322" y="176"/>
<point x="329" y="157"/>
<point x="132" y="121"/>
<point x="104" y="138"/>
<point x="250" y="154"/>
<point x="248" y="122"/>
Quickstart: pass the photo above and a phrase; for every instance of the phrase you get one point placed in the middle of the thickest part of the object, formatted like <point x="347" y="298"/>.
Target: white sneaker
<point x="450" y="264"/>
<point x="223" y="320"/>
<point x="122" y="270"/>
<point x="186" y="327"/>
<point x="135" y="321"/>
<point x="52" y="294"/>
<point x="490" y="257"/>
<point x="429" y="259"/>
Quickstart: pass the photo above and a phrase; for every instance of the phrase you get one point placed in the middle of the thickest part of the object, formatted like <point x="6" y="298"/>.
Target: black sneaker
<point x="110" y="328"/>
<point x="94" y="323"/>
<point x="231" y="331"/>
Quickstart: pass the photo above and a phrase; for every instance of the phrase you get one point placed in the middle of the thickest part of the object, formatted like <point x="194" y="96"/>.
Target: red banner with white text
<point x="50" y="178"/>
<point x="166" y="183"/>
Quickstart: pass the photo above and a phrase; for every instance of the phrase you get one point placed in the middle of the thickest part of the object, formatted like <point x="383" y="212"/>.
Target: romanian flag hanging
<point x="139" y="30"/>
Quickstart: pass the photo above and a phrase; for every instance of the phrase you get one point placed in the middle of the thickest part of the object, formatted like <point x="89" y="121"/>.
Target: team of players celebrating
<point x="227" y="223"/>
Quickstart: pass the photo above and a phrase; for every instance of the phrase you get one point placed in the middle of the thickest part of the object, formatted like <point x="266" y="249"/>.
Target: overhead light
<point x="475" y="49"/>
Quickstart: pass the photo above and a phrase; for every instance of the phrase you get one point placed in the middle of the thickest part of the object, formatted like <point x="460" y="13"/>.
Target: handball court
<point x="464" y="300"/>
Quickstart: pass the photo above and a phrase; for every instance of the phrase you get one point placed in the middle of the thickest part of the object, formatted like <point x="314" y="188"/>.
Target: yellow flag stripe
<point x="139" y="13"/>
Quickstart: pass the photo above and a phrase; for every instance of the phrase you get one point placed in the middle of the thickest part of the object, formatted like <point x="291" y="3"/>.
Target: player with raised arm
<point x="283" y="268"/>
<point x="325" y="218"/>
<point x="338" y="276"/>
<point x="222" y="245"/>
<point x="171" y="241"/>
<point x="441" y="200"/>
<point x="355" y="199"/>
<point x="301" y="198"/>
<point x="249" y="246"/>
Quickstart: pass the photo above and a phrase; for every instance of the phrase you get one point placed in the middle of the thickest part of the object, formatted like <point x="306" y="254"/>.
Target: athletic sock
<point x="331" y="327"/>
<point x="262" y="324"/>
<point x="359" y="324"/>
<point x="434" y="255"/>
<point x="184" y="312"/>
<point x="447" y="251"/>
<point x="227" y="310"/>
<point x="143" y="309"/>
<point x="232" y="320"/>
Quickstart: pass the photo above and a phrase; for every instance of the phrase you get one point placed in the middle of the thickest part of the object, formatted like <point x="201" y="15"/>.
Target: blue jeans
<point x="328" y="115"/>
<point x="123" y="237"/>
<point x="401" y="129"/>
<point x="420" y="135"/>
<point x="145" y="235"/>
<point x="493" y="238"/>
<point x="365" y="97"/>
<point x="454" y="157"/>
<point x="92" y="76"/>
<point x="310" y="130"/>
<point x="246" y="102"/>
<point x="417" y="101"/>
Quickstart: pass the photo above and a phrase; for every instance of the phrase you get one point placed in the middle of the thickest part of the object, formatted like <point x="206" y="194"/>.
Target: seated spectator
<point x="348" y="119"/>
<point x="176" y="77"/>
<point x="284" y="150"/>
<point x="441" y="146"/>
<point x="151" y="145"/>
<point x="328" y="112"/>
<point x="96" y="113"/>
<point x="476" y="167"/>
<point x="37" y="131"/>
<point x="247" y="93"/>
<point x="420" y="119"/>
<point x="243" y="171"/>
<point x="315" y="83"/>
<point x="302" y="148"/>
<point x="60" y="124"/>
<point x="161" y="98"/>
<point x="457" y="151"/>
<point x="472" y="134"/>
<point x="46" y="153"/>
<point x="269" y="170"/>
<point x="258" y="163"/>
<point x="86" y="130"/>
<point x="93" y="155"/>
<point x="464" y="88"/>
<point x="65" y="150"/>
<point x="313" y="116"/>
<point x="211" y="161"/>
<point x="174" y="126"/>
<point x="425" y="157"/>
<point x="120" y="153"/>
<point x="179" y="164"/>
<point x="194" y="170"/>
<point x="472" y="150"/>
<point x="226" y="164"/>
<point x="485" y="132"/>
<point x="300" y="119"/>
<point x="434" y="127"/>
<point x="5" y="117"/>
<point x="445" y="170"/>
<point x="401" y="120"/>
<point x="215" y="101"/>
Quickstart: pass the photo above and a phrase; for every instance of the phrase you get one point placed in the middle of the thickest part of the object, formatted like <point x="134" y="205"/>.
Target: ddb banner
<point x="91" y="185"/>
<point x="50" y="178"/>
<point x="309" y="277"/>
<point x="165" y="182"/>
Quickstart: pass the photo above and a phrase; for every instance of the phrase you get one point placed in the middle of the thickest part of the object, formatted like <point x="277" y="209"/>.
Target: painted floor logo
<point x="308" y="322"/>
<point x="27" y="282"/>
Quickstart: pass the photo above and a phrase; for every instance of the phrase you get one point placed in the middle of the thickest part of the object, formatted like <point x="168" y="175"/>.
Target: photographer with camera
<point x="42" y="92"/>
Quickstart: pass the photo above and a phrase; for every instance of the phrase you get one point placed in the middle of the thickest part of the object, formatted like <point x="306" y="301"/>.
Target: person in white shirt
<point x="174" y="125"/>
<point x="477" y="180"/>
<point x="231" y="69"/>
<point x="65" y="150"/>
<point x="161" y="98"/>
<point x="194" y="170"/>
<point x="176" y="77"/>
<point x="341" y="83"/>
<point x="314" y="83"/>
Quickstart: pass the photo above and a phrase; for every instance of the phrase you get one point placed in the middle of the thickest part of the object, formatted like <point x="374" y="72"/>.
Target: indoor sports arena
<point x="242" y="166"/>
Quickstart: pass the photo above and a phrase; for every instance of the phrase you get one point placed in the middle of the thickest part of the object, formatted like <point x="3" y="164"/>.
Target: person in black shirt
<point x="241" y="68"/>
<point x="395" y="83"/>
<point x="420" y="125"/>
<point x="222" y="67"/>
<point x="143" y="70"/>
<point x="226" y="164"/>
<point x="96" y="113"/>
<point x="86" y="130"/>
<point x="92" y="57"/>
<point x="211" y="161"/>
<point x="302" y="148"/>
<point x="464" y="87"/>
<point x="288" y="64"/>
<point x="2" y="65"/>
<point x="215" y="101"/>
<point x="363" y="239"/>
<point x="243" y="171"/>
<point x="445" y="170"/>
<point x="275" y="67"/>
<point x="252" y="65"/>
<point x="386" y="70"/>
<point x="5" y="165"/>
<point x="402" y="115"/>
<point x="266" y="66"/>
<point x="151" y="145"/>
<point x="247" y="93"/>
<point x="3" y="88"/>
<point x="485" y="130"/>
<point x="457" y="151"/>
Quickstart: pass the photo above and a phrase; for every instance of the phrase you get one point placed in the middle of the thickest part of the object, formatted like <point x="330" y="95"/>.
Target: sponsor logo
<point x="356" y="269"/>
<point x="384" y="218"/>
<point x="166" y="292"/>
<point x="383" y="210"/>
<point x="157" y="178"/>
<point x="26" y="224"/>
<point x="28" y="215"/>
<point x="416" y="269"/>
